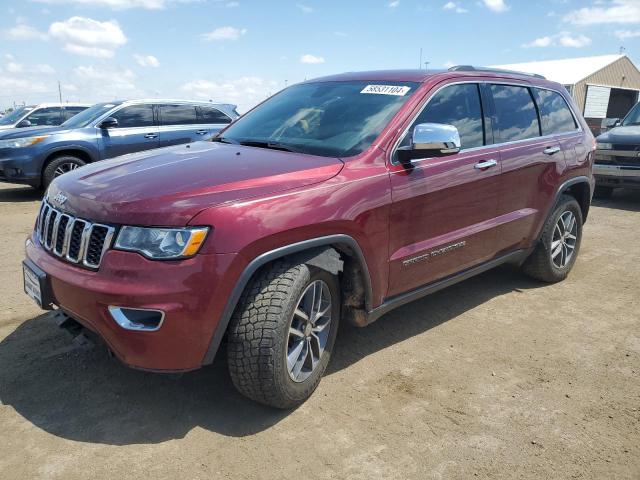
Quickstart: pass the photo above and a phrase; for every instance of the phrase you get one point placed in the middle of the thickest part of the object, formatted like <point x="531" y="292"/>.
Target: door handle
<point x="201" y="132"/>
<point x="551" y="150"/>
<point x="151" y="135"/>
<point x="485" y="164"/>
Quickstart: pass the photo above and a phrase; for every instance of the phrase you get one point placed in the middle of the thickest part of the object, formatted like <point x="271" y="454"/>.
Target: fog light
<point x="139" y="319"/>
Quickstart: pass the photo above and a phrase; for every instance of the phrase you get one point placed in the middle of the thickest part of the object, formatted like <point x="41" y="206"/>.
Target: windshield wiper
<point x="271" y="145"/>
<point x="224" y="140"/>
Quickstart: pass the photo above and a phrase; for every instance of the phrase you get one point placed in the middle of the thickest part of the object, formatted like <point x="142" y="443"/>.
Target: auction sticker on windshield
<point x="386" y="90"/>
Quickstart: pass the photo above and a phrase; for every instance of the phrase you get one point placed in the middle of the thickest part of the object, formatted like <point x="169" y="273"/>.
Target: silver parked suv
<point x="42" y="115"/>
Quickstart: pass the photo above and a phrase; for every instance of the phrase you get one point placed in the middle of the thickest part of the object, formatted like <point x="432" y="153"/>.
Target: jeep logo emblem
<point x="60" y="198"/>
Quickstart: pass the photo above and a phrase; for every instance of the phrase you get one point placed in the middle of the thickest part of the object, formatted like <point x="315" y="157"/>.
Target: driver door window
<point x="45" y="117"/>
<point x="457" y="105"/>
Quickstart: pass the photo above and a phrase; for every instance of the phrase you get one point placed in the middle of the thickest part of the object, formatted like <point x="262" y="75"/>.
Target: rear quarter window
<point x="212" y="115"/>
<point x="515" y="113"/>
<point x="555" y="114"/>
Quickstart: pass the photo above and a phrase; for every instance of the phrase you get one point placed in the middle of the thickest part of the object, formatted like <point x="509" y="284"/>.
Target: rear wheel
<point x="603" y="192"/>
<point x="59" y="166"/>
<point x="282" y="333"/>
<point x="557" y="249"/>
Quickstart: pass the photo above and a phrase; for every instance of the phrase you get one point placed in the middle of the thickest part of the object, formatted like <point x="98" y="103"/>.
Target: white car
<point x="42" y="115"/>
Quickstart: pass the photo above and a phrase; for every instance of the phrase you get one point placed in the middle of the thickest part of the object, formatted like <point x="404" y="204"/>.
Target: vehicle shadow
<point x="83" y="395"/>
<point x="622" y="199"/>
<point x="20" y="194"/>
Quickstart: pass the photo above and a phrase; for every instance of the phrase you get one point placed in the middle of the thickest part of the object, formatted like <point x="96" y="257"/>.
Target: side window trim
<point x="537" y="107"/>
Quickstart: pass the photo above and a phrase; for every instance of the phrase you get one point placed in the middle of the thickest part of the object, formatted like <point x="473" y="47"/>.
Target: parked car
<point x="336" y="199"/>
<point x="35" y="156"/>
<point x="43" y="115"/>
<point x="617" y="162"/>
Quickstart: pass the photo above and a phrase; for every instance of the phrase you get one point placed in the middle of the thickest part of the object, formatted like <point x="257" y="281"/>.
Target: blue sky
<point x="240" y="51"/>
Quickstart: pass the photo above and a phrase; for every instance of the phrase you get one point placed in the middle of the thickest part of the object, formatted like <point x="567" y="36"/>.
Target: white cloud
<point x="563" y="39"/>
<point x="341" y="34"/>
<point x="626" y="34"/>
<point x="24" y="32"/>
<point x="449" y="64"/>
<point x="147" y="60"/>
<point x="224" y="33"/>
<point x="496" y="5"/>
<point x="244" y="92"/>
<point x="455" y="7"/>
<point x="105" y="82"/>
<point x="305" y="8"/>
<point x="615" y="11"/>
<point x="394" y="4"/>
<point x="85" y="36"/>
<point x="232" y="4"/>
<point x="113" y="4"/>
<point x="44" y="69"/>
<point x="312" y="59"/>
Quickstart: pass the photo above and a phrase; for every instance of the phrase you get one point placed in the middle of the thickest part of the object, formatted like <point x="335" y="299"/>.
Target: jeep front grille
<point x="73" y="239"/>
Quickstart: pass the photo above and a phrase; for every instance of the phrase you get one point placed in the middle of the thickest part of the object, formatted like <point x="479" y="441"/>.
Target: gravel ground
<point x="497" y="377"/>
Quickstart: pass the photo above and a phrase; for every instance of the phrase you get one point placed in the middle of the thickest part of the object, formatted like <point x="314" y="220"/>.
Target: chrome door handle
<point x="551" y="150"/>
<point x="201" y="132"/>
<point x="151" y="135"/>
<point x="485" y="164"/>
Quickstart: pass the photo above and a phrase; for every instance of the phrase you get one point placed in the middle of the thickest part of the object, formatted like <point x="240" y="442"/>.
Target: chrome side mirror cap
<point x="431" y="140"/>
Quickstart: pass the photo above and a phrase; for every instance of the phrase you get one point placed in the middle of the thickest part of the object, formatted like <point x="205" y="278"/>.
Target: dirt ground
<point x="497" y="377"/>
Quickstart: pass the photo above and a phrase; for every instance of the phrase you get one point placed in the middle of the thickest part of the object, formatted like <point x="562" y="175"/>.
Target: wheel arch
<point x="319" y="252"/>
<point x="580" y="189"/>
<point x="72" y="151"/>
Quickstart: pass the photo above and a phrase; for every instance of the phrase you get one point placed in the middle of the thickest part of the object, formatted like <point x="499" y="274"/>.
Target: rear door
<point x="212" y="119"/>
<point x="179" y="124"/>
<point x="136" y="131"/>
<point x="443" y="212"/>
<point x="531" y="164"/>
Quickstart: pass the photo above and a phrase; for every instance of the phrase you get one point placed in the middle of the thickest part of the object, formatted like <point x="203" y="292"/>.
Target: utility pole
<point x="420" y="64"/>
<point x="426" y="66"/>
<point x="59" y="91"/>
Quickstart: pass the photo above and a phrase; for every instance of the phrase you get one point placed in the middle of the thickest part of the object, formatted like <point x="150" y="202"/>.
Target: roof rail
<point x="471" y="68"/>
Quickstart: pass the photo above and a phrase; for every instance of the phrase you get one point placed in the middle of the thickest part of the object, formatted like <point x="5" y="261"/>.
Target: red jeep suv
<point x="336" y="199"/>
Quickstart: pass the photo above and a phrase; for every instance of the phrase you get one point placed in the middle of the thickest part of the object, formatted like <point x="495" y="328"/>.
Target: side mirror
<point x="611" y="122"/>
<point x="23" y="123"/>
<point x="108" y="122"/>
<point x="431" y="140"/>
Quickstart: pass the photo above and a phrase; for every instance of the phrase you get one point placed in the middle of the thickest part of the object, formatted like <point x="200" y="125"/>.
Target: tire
<point x="603" y="193"/>
<point x="59" y="165"/>
<point x="259" y="334"/>
<point x="546" y="264"/>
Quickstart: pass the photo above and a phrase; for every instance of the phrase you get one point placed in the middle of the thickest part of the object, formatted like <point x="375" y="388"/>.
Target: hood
<point x="621" y="135"/>
<point x="29" y="132"/>
<point x="169" y="186"/>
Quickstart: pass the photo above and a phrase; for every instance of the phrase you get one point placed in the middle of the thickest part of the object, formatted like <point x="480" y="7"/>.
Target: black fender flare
<point x="315" y="251"/>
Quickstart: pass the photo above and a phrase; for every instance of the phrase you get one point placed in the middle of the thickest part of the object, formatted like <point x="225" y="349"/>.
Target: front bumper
<point x="617" y="168"/>
<point x="191" y="293"/>
<point x="20" y="166"/>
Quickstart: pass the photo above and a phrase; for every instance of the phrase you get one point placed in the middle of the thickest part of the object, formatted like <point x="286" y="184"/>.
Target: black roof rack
<point x="471" y="68"/>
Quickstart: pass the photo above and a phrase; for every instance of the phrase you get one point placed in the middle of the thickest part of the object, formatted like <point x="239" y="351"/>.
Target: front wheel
<point x="282" y="333"/>
<point x="59" y="166"/>
<point x="557" y="249"/>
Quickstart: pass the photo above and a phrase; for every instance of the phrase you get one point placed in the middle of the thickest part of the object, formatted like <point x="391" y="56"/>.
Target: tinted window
<point x="633" y="117"/>
<point x="69" y="112"/>
<point x="45" y="116"/>
<point x="457" y="105"/>
<point x="12" y="117"/>
<point x="212" y="115"/>
<point x="516" y="115"/>
<point x="135" y="116"/>
<point x="178" y="114"/>
<point x="554" y="112"/>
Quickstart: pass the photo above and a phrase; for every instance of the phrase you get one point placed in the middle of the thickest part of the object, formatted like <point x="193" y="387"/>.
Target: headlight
<point x="604" y="146"/>
<point x="162" y="243"/>
<point x="21" y="142"/>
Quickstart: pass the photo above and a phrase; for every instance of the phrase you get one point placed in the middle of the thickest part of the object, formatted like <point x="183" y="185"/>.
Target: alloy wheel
<point x="309" y="331"/>
<point x="65" y="168"/>
<point x="563" y="243"/>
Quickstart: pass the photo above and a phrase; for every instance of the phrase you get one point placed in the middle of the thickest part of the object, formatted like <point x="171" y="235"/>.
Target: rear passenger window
<point x="516" y="115"/>
<point x="554" y="112"/>
<point x="213" y="115"/>
<point x="46" y="116"/>
<point x="178" y="114"/>
<point x="457" y="105"/>
<point x="134" y="116"/>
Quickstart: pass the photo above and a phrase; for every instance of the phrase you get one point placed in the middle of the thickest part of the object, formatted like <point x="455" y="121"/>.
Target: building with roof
<point x="605" y="86"/>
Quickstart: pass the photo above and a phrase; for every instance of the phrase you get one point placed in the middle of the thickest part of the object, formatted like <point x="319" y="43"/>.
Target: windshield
<point x="14" y="116"/>
<point x="633" y="117"/>
<point x="87" y="116"/>
<point x="337" y="119"/>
